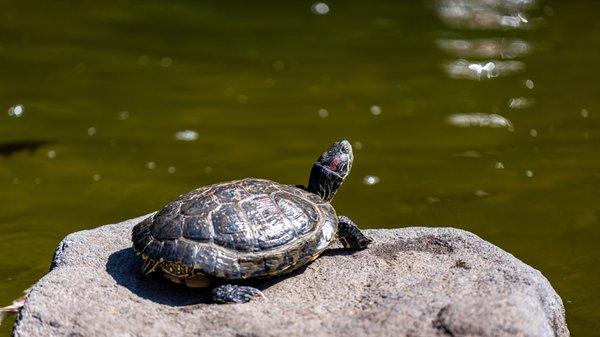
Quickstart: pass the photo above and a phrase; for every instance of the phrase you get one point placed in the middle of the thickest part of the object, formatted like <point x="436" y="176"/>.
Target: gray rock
<point x="411" y="282"/>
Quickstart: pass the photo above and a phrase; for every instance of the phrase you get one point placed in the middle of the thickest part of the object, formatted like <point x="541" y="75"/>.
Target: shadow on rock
<point x="124" y="267"/>
<point x="339" y="252"/>
<point x="265" y="283"/>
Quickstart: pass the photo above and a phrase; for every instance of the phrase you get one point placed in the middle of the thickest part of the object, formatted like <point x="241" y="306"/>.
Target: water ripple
<point x="480" y="120"/>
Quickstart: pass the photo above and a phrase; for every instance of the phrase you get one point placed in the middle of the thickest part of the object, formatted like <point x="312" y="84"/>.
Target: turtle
<point x="224" y="233"/>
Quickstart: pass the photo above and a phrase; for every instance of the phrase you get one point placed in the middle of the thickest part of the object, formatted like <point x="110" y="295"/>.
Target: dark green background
<point x="250" y="79"/>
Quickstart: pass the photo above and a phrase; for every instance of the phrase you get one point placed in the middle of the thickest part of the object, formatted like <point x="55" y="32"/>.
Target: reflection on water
<point x="375" y="110"/>
<point x="29" y="146"/>
<point x="479" y="119"/>
<point x="16" y="111"/>
<point x="320" y="8"/>
<point x="463" y="69"/>
<point x="520" y="102"/>
<point x="370" y="180"/>
<point x="487" y="14"/>
<point x="123" y="115"/>
<point x="484" y="14"/>
<point x="186" y="135"/>
<point x="505" y="48"/>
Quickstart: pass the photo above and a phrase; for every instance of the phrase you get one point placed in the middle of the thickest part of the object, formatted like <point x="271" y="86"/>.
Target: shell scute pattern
<point x="188" y="256"/>
<point x="198" y="205"/>
<point x="258" y="186"/>
<point x="313" y="198"/>
<point x="142" y="236"/>
<point x="206" y="260"/>
<point x="226" y="265"/>
<point x="303" y="216"/>
<point x="154" y="247"/>
<point x="251" y="265"/>
<point x="270" y="225"/>
<point x="198" y="229"/>
<point x="166" y="224"/>
<point x="231" y="228"/>
<point x="241" y="229"/>
<point x="230" y="192"/>
<point x="168" y="251"/>
<point x="327" y="211"/>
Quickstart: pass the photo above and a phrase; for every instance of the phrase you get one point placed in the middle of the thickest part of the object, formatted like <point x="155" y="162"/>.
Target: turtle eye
<point x="345" y="149"/>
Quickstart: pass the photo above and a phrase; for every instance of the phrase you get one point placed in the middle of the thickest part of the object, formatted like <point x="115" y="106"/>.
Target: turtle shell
<point x="235" y="230"/>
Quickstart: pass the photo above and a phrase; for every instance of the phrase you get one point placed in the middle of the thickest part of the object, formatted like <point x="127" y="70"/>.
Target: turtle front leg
<point x="231" y="293"/>
<point x="350" y="235"/>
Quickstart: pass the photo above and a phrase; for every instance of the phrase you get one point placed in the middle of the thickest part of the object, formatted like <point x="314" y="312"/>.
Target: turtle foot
<point x="350" y="235"/>
<point x="231" y="293"/>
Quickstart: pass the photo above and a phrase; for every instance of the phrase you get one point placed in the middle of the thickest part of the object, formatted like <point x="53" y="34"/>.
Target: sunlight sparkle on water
<point x="171" y="169"/>
<point x="323" y="113"/>
<point x="479" y="119"/>
<point x="485" y="47"/>
<point x="529" y="84"/>
<point x="151" y="165"/>
<point x="91" y="131"/>
<point x="481" y="193"/>
<point x="469" y="154"/>
<point x="51" y="154"/>
<point x="520" y="102"/>
<point x="16" y="111"/>
<point x="464" y="69"/>
<point x="370" y="180"/>
<point x="375" y="110"/>
<point x="489" y="14"/>
<point x="186" y="135"/>
<point x="514" y="21"/>
<point x="123" y="115"/>
<point x="487" y="69"/>
<point x="320" y="8"/>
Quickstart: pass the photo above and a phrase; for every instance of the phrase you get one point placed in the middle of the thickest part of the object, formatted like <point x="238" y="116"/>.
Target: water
<point x="104" y="96"/>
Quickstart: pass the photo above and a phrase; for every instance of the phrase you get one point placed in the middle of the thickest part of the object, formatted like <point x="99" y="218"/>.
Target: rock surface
<point x="411" y="282"/>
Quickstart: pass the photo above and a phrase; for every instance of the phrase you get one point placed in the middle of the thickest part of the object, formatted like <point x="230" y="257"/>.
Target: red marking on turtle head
<point x="334" y="163"/>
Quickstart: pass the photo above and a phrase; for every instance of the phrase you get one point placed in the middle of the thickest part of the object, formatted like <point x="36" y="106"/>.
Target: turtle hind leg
<point x="231" y="293"/>
<point x="149" y="266"/>
<point x="350" y="235"/>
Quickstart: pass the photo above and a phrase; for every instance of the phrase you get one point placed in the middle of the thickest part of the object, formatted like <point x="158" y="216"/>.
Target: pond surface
<point x="481" y="117"/>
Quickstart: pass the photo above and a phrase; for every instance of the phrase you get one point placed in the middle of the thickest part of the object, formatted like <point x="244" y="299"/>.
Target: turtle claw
<point x="231" y="293"/>
<point x="350" y="235"/>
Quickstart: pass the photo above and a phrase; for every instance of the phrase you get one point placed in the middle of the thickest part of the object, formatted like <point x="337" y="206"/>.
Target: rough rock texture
<point x="411" y="282"/>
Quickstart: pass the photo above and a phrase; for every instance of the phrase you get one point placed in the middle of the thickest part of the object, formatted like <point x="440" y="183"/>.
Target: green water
<point x="252" y="82"/>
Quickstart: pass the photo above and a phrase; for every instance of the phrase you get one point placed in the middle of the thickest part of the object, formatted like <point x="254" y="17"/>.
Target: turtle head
<point x="330" y="170"/>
